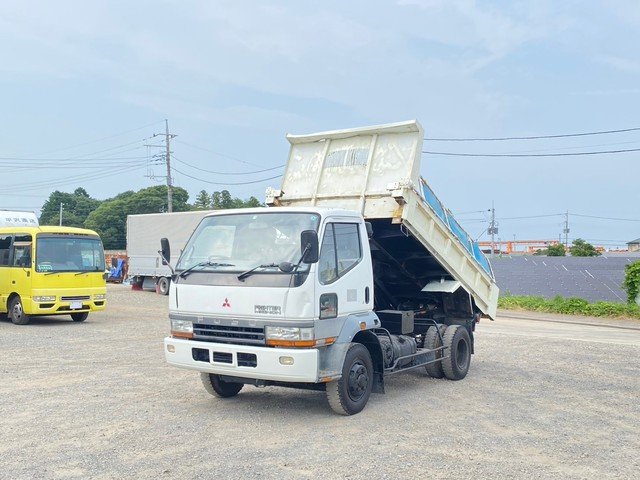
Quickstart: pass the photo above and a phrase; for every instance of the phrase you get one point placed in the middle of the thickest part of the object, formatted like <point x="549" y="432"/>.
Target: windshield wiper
<point x="82" y="272"/>
<point x="186" y="272"/>
<point x="244" y="275"/>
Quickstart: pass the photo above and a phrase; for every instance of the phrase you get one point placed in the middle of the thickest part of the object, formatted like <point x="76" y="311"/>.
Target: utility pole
<point x="566" y="230"/>
<point x="493" y="230"/>
<point x="61" y="204"/>
<point x="168" y="138"/>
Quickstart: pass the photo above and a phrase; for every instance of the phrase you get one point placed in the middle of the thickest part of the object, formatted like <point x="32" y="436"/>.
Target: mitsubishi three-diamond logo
<point x="226" y="303"/>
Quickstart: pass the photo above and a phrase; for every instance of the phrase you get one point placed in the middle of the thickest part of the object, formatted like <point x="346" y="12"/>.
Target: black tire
<point x="218" y="387"/>
<point x="350" y="394"/>
<point x="16" y="311"/>
<point x="456" y="339"/>
<point x="163" y="286"/>
<point x="79" y="317"/>
<point x="432" y="341"/>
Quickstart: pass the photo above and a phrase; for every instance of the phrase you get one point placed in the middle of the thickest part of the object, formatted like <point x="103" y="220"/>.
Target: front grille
<point x="229" y="334"/>
<point x="76" y="297"/>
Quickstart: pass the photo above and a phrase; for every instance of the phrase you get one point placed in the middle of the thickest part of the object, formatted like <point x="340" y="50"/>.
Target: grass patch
<point x="569" y="306"/>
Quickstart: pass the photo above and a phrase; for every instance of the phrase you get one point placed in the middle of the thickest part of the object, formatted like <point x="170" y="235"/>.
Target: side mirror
<point x="309" y="246"/>
<point x="165" y="251"/>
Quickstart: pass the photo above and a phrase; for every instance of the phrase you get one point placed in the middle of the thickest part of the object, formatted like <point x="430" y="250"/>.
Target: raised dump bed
<point x="417" y="245"/>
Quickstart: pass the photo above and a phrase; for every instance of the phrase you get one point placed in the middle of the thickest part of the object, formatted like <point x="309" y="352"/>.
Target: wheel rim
<point x="17" y="311"/>
<point x="358" y="381"/>
<point x="462" y="352"/>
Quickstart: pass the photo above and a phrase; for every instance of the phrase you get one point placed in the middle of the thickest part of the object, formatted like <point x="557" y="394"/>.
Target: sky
<point x="84" y="86"/>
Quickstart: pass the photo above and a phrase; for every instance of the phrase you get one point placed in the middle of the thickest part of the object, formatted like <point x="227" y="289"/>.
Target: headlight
<point x="45" y="298"/>
<point x="181" y="328"/>
<point x="100" y="296"/>
<point x="290" y="337"/>
<point x="289" y="333"/>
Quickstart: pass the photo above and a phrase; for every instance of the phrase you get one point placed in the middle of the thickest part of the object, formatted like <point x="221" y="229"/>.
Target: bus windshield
<point x="69" y="254"/>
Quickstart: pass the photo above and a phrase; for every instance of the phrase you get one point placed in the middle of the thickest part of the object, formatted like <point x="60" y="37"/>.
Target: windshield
<point x="69" y="254"/>
<point x="239" y="242"/>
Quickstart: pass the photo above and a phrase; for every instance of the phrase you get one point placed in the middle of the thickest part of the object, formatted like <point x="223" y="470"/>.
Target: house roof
<point x="637" y="240"/>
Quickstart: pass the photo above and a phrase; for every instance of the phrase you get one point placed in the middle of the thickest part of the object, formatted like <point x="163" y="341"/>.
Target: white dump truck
<point x="353" y="273"/>
<point x="145" y="267"/>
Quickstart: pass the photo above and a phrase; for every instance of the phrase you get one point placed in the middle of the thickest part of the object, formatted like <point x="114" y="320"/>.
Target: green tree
<point x="223" y="200"/>
<point x="580" y="248"/>
<point x="76" y="208"/>
<point x="203" y="201"/>
<point x="632" y="281"/>
<point x="556" y="250"/>
<point x="110" y="218"/>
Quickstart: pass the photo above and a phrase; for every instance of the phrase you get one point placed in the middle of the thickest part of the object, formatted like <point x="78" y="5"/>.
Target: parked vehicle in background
<point x="357" y="272"/>
<point x="51" y="271"/>
<point x="145" y="267"/>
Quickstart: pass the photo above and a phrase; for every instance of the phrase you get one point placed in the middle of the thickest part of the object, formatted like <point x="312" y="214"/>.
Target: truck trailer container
<point x="145" y="267"/>
<point x="355" y="271"/>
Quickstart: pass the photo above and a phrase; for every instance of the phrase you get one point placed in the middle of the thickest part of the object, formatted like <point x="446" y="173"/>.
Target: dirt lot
<point x="96" y="400"/>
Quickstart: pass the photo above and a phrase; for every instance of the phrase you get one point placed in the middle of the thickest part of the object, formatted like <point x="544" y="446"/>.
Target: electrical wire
<point x="535" y="137"/>
<point x="518" y="155"/>
<point x="607" y="218"/>
<point x="98" y="140"/>
<point x="225" y="173"/>
<point x="225" y="183"/>
<point x="216" y="153"/>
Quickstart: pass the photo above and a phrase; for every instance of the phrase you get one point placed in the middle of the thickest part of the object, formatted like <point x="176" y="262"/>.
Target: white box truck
<point x="145" y="267"/>
<point x="355" y="272"/>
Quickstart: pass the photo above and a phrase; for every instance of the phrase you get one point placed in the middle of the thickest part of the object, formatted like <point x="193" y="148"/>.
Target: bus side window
<point x="5" y="246"/>
<point x="22" y="251"/>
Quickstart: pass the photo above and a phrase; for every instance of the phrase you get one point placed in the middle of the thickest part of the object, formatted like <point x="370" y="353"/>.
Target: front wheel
<point x="218" y="387"/>
<point x="163" y="286"/>
<point x="79" y="316"/>
<point x="456" y="365"/>
<point x="16" y="312"/>
<point x="350" y="394"/>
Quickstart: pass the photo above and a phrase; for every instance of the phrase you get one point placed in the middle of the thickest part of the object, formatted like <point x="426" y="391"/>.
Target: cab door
<point x="21" y="260"/>
<point x="344" y="269"/>
<point x="5" y="270"/>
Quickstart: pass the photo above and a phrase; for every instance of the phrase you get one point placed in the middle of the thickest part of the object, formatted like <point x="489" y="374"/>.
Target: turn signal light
<point x="301" y="343"/>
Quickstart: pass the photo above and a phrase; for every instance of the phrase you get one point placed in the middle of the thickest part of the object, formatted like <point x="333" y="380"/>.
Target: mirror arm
<point x="173" y="272"/>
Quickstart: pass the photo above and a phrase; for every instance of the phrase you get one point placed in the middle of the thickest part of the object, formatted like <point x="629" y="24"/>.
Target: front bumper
<point x="61" y="307"/>
<point x="267" y="360"/>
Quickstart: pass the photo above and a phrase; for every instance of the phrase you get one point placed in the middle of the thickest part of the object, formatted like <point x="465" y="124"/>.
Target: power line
<point x="608" y="218"/>
<point x="536" y="137"/>
<point x="72" y="159"/>
<point x="217" y="153"/>
<point x="98" y="140"/>
<point x="226" y="183"/>
<point x="226" y="173"/>
<point x="514" y="155"/>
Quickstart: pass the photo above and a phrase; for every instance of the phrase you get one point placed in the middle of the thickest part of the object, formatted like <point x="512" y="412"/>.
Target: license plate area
<point x="75" y="305"/>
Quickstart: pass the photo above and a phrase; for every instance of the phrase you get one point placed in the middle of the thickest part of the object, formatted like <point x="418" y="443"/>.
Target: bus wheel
<point x="79" y="317"/>
<point x="16" y="312"/>
<point x="163" y="286"/>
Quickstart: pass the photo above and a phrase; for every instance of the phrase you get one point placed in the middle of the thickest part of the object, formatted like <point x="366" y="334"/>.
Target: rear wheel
<point x="218" y="387"/>
<point x="431" y="342"/>
<point x="350" y="394"/>
<point x="16" y="312"/>
<point x="456" y="339"/>
<point x="163" y="286"/>
<point x="80" y="316"/>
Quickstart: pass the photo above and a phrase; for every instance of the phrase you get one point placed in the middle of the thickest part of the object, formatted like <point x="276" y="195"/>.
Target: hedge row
<point x="571" y="306"/>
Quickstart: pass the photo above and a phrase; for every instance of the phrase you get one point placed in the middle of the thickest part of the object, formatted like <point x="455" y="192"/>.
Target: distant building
<point x="634" y="245"/>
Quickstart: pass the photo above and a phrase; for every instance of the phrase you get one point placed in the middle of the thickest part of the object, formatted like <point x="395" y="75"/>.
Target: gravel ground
<point x="96" y="400"/>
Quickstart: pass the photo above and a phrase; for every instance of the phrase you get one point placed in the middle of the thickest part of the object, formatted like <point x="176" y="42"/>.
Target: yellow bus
<point x="51" y="271"/>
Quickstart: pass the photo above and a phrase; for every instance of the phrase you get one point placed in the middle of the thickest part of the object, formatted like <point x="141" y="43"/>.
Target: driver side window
<point x="341" y="250"/>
